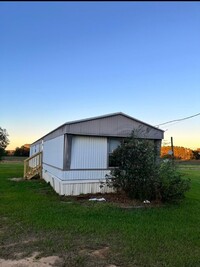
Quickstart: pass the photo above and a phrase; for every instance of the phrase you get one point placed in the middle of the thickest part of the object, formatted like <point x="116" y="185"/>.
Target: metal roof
<point x="71" y="126"/>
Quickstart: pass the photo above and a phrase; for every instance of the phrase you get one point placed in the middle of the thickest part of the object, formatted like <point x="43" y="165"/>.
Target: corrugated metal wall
<point x="89" y="152"/>
<point x="118" y="125"/>
<point x="35" y="149"/>
<point x="70" y="188"/>
<point x="53" y="152"/>
<point x="85" y="175"/>
<point x="53" y="171"/>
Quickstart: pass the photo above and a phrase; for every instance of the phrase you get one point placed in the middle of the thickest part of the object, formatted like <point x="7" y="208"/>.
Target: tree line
<point x="22" y="151"/>
<point x="180" y="153"/>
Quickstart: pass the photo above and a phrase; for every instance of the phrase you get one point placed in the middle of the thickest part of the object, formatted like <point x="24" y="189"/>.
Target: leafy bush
<point x="171" y="184"/>
<point x="142" y="176"/>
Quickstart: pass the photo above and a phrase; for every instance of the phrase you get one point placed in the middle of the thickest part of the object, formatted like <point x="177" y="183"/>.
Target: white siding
<point x="55" y="183"/>
<point x="75" y="188"/>
<point x="89" y="152"/>
<point x="67" y="182"/>
<point x="35" y="149"/>
<point x="53" y="152"/>
<point x="75" y="176"/>
<point x="53" y="171"/>
<point x="85" y="174"/>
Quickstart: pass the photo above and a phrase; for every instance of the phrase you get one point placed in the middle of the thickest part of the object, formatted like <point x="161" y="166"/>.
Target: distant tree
<point x="2" y="153"/>
<point x="4" y="141"/>
<point x="179" y="152"/>
<point x="196" y="154"/>
<point x="21" y="151"/>
<point x="5" y="152"/>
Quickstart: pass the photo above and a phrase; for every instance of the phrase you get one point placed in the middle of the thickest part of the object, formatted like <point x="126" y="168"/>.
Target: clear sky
<point x="63" y="61"/>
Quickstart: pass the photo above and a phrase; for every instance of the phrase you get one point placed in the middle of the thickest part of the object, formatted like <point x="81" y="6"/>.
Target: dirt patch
<point x="17" y="179"/>
<point x="117" y="199"/>
<point x="101" y="253"/>
<point x="21" y="243"/>
<point x="32" y="261"/>
<point x="98" y="255"/>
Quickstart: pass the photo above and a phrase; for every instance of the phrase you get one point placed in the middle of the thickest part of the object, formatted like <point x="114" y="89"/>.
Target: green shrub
<point x="172" y="186"/>
<point x="142" y="176"/>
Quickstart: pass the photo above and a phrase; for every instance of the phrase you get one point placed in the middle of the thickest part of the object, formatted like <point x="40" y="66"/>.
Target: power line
<point x="186" y="118"/>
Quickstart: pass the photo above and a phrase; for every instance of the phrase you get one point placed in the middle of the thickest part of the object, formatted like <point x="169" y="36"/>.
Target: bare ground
<point x="32" y="261"/>
<point x="98" y="257"/>
<point x="117" y="199"/>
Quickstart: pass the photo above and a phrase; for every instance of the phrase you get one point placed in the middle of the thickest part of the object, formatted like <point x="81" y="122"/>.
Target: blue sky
<point x="62" y="61"/>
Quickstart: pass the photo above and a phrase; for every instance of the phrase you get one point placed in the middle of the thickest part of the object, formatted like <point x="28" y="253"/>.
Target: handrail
<point x="37" y="154"/>
<point x="33" y="166"/>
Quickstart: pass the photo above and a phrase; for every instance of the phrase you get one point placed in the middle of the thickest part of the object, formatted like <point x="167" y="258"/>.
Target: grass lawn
<point x="34" y="218"/>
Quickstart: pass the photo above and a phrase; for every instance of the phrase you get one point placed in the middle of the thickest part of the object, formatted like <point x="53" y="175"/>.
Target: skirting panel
<point x="75" y="188"/>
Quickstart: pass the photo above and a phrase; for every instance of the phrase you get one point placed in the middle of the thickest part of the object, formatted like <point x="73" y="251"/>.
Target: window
<point x="113" y="143"/>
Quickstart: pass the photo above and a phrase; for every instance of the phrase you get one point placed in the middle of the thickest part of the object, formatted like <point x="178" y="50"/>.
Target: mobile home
<point x="75" y="156"/>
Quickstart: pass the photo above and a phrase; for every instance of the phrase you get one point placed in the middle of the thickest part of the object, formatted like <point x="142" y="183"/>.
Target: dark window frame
<point x="109" y="156"/>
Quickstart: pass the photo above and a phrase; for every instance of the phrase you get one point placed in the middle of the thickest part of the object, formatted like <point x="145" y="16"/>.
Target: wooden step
<point x="30" y="172"/>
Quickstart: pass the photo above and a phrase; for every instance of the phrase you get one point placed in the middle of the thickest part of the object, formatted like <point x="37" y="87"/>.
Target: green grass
<point x="13" y="158"/>
<point x="31" y="211"/>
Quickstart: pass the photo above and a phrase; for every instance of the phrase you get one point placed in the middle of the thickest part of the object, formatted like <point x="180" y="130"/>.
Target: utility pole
<point x="172" y="147"/>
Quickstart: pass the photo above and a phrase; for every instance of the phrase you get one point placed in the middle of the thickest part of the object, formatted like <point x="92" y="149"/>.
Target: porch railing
<point x="33" y="166"/>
